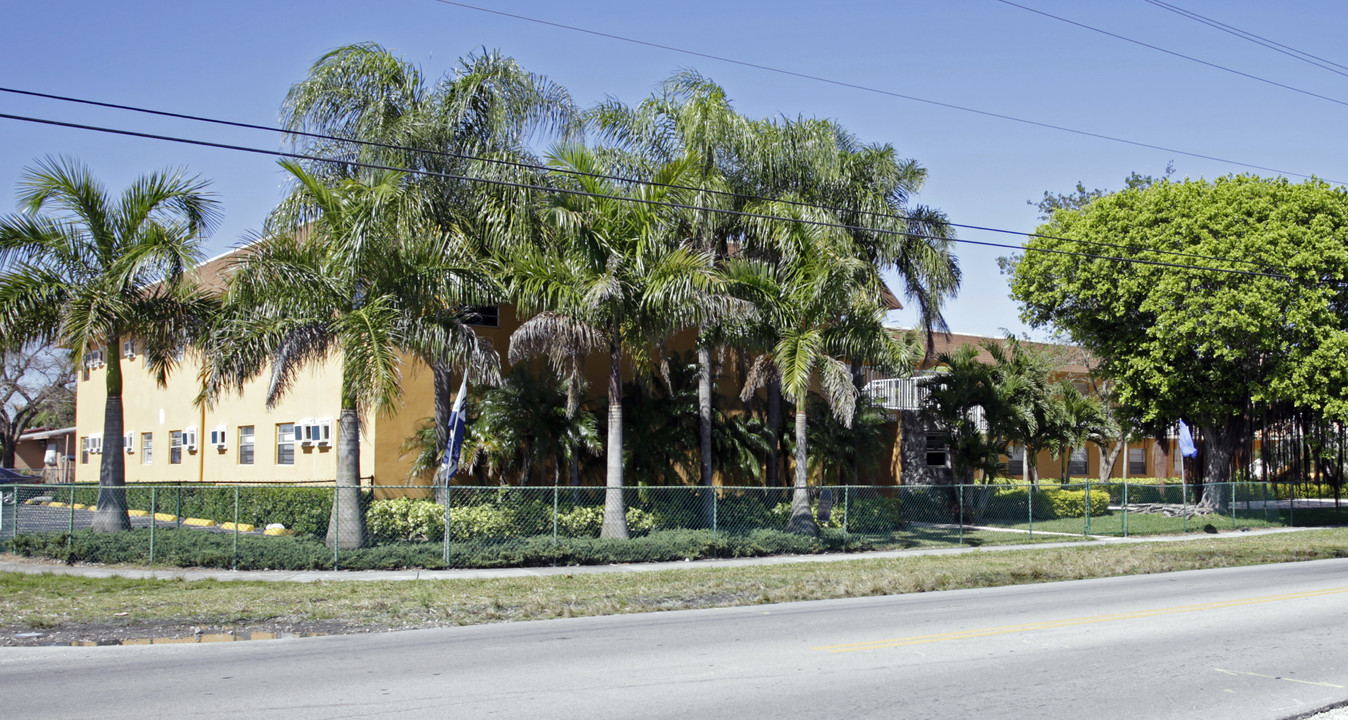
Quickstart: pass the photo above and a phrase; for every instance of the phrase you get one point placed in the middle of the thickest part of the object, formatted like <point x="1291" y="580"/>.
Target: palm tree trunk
<point x="615" y="512"/>
<point x="111" y="515"/>
<point x="704" y="427"/>
<point x="346" y="524"/>
<point x="774" y="471"/>
<point x="802" y="519"/>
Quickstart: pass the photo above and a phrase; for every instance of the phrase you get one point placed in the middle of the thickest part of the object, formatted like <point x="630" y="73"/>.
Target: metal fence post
<point x="236" y="527"/>
<point x="72" y="510"/>
<point x="961" y="516"/>
<point x="1125" y="508"/>
<point x="445" y="538"/>
<point x="556" y="507"/>
<point x="847" y="512"/>
<point x="1029" y="495"/>
<point x="178" y="513"/>
<point x="1086" y="500"/>
<point x="154" y="507"/>
<point x="336" y="526"/>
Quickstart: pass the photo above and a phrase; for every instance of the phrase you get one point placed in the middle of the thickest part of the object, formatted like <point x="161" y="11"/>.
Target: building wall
<point x="148" y="408"/>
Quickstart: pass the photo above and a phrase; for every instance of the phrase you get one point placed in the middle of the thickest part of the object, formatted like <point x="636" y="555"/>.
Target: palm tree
<point x="691" y="117"/>
<point x="353" y="271"/>
<point x="475" y="122"/>
<point x="815" y="307"/>
<point x="608" y="277"/>
<point x="98" y="270"/>
<point x="525" y="425"/>
<point x="1078" y="418"/>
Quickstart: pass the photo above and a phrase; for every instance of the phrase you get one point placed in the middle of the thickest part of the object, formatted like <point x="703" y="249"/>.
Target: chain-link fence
<point x="293" y="527"/>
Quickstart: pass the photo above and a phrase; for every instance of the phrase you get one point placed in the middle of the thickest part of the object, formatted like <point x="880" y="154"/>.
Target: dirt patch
<point x="172" y="631"/>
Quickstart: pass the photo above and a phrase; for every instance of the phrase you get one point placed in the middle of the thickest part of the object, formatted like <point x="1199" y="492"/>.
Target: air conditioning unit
<point x="129" y="443"/>
<point x="96" y="443"/>
<point x="218" y="437"/>
<point x="297" y="431"/>
<point x="129" y="349"/>
<point x="190" y="438"/>
<point x="323" y="432"/>
<point x="94" y="358"/>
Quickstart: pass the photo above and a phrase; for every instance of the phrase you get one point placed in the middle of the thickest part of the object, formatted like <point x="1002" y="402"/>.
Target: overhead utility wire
<point x="1256" y="39"/>
<point x="616" y="178"/>
<point x="658" y="203"/>
<point x="879" y="91"/>
<point x="1190" y="58"/>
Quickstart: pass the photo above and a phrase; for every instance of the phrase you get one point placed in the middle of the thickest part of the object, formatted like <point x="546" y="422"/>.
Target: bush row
<point x="304" y="510"/>
<point x="190" y="548"/>
<point x="1053" y="504"/>
<point x="407" y="519"/>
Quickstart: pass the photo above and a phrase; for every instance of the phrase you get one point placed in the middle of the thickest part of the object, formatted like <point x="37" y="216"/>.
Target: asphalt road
<point x="1262" y="642"/>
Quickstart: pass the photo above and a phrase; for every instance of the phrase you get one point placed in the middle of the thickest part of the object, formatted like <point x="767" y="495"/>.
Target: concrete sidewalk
<point x="10" y="563"/>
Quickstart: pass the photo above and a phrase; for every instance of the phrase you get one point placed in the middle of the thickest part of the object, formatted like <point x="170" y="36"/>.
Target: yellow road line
<point x="1070" y="622"/>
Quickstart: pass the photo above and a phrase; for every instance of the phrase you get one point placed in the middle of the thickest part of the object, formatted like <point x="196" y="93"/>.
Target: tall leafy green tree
<point x="348" y="270"/>
<point x="609" y="276"/>
<point x="86" y="270"/>
<point x="1203" y="344"/>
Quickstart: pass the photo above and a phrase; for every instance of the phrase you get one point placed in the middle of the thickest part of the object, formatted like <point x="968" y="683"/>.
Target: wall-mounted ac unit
<point x="94" y="358"/>
<point x="323" y="432"/>
<point x="129" y="443"/>
<point x="129" y="349"/>
<point x="297" y="431"/>
<point x="218" y="440"/>
<point x="314" y="431"/>
<point x="190" y="438"/>
<point x="96" y="443"/>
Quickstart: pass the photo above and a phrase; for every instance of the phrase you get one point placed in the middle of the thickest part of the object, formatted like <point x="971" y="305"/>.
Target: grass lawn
<point x="67" y="606"/>
<point x="1148" y="524"/>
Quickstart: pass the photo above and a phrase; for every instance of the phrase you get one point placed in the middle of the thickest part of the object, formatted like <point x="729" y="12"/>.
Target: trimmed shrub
<point x="587" y="521"/>
<point x="304" y="510"/>
<point x="1056" y="503"/>
<point x="406" y="519"/>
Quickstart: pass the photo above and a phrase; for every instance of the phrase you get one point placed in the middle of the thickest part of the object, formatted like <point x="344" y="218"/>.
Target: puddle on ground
<point x="227" y="636"/>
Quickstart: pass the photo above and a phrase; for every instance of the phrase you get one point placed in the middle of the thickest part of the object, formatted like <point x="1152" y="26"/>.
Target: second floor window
<point x="176" y="447"/>
<point x="146" y="448"/>
<point x="1015" y="461"/>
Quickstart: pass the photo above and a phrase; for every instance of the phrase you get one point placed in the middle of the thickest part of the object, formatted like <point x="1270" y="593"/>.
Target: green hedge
<point x="304" y="510"/>
<point x="196" y="548"/>
<point x="1056" y="503"/>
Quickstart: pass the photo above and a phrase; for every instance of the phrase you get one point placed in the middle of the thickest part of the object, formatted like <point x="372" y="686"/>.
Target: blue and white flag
<point x="1186" y="441"/>
<point x="450" y="464"/>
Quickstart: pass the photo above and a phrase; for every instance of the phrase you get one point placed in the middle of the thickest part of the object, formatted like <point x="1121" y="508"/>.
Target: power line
<point x="1256" y="39"/>
<point x="622" y="198"/>
<point x="879" y="91"/>
<point x="616" y="178"/>
<point x="1172" y="53"/>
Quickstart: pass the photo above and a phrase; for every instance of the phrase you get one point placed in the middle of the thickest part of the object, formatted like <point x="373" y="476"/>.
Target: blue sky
<point x="235" y="61"/>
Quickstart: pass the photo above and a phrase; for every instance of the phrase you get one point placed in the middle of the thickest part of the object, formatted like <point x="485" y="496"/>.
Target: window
<point x="938" y="450"/>
<point x="483" y="315"/>
<point x="1015" y="460"/>
<point x="1137" y="462"/>
<point x="146" y="448"/>
<point x="1077" y="464"/>
<point x="176" y="447"/>
<point x="246" y="445"/>
<point x="84" y="448"/>
<point x="285" y="444"/>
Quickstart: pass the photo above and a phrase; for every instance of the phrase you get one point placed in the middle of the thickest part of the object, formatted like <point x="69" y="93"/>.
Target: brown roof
<point x="1071" y="359"/>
